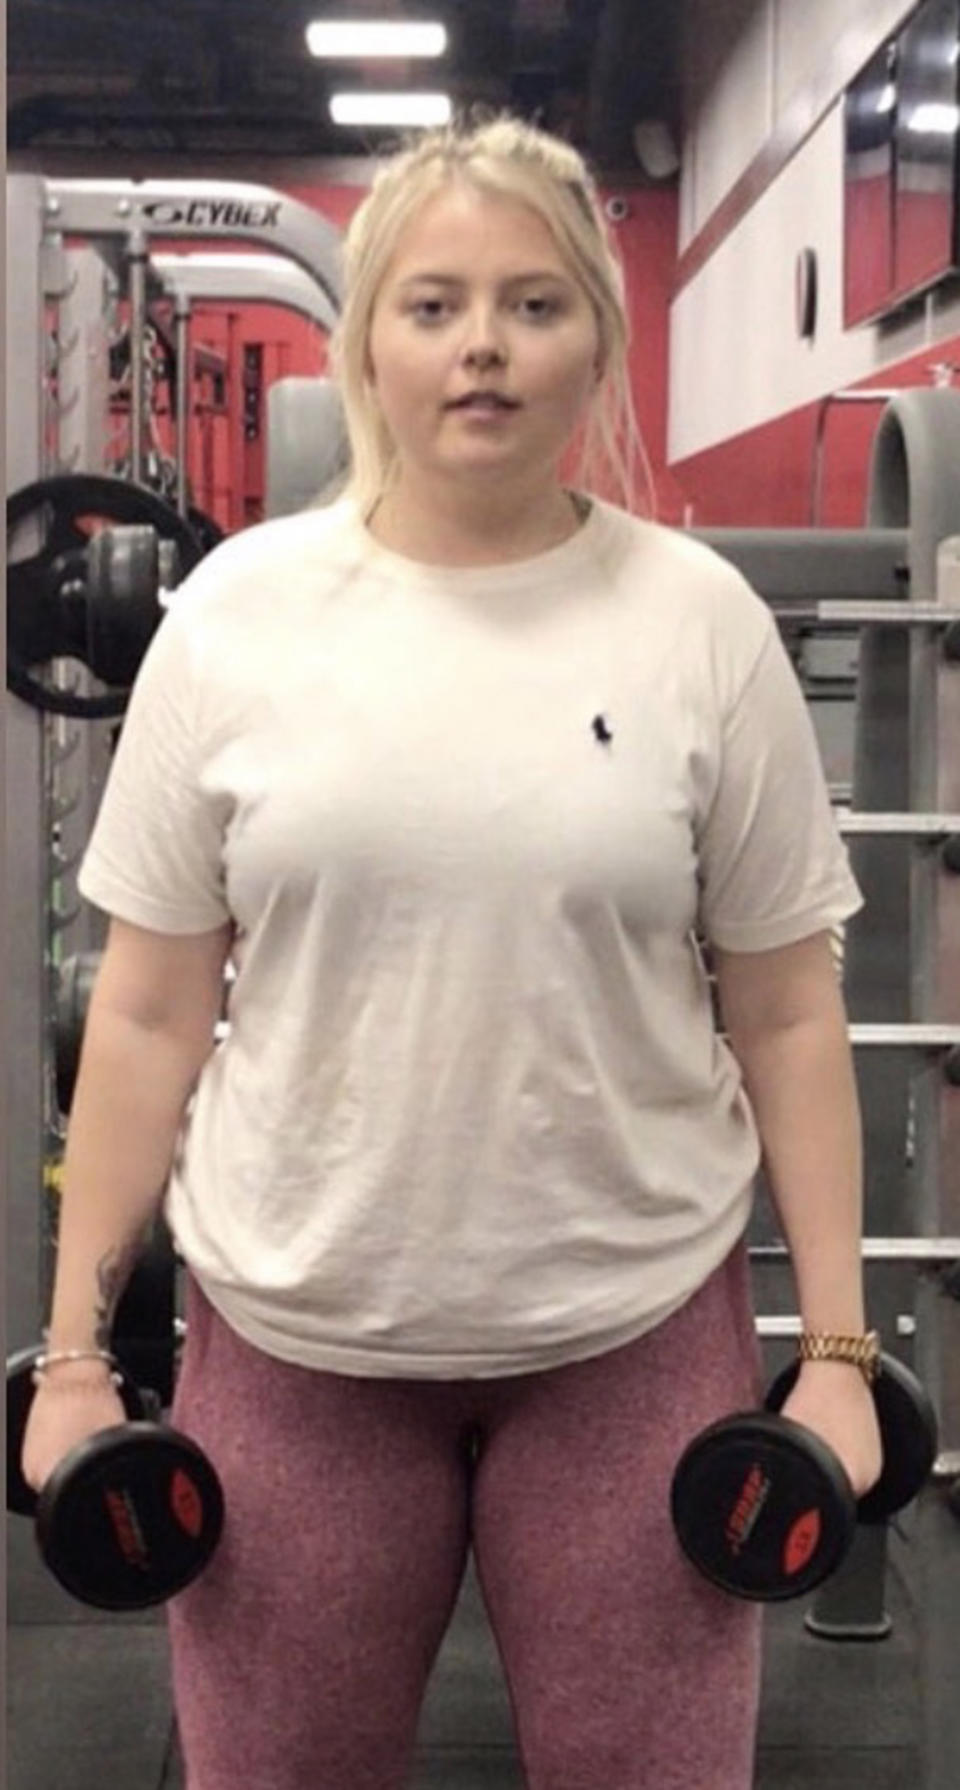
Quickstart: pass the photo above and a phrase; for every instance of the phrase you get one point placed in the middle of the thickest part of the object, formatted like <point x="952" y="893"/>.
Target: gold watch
<point x="860" y="1351"/>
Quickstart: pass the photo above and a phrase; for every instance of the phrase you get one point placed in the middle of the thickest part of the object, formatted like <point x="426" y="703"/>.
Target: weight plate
<point x="908" y="1434"/>
<point x="71" y="508"/>
<point x="761" y="1507"/>
<point x="131" y="1517"/>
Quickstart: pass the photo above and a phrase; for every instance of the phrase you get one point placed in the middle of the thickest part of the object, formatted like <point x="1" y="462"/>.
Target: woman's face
<point x="477" y="304"/>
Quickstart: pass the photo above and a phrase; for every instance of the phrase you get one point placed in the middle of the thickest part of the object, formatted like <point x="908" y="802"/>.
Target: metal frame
<point x="200" y="211"/>
<point x="251" y="279"/>
<point x="905" y="796"/>
<point x="44" y="761"/>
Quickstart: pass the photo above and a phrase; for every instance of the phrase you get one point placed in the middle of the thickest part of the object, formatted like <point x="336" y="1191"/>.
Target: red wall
<point x="765" y="478"/>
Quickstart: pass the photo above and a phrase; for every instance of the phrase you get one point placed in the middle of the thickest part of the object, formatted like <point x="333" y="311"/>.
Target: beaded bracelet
<point x="55" y="1356"/>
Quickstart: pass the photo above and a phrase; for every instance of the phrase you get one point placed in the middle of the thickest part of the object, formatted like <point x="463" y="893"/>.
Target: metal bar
<point x="251" y="279"/>
<point x="137" y="264"/>
<point x="181" y="313"/>
<point x="851" y="1604"/>
<point x="201" y="211"/>
<point x="905" y="1037"/>
<point x="809" y="565"/>
<point x="879" y="1249"/>
<point x="865" y="395"/>
<point x="895" y="614"/>
<point x="911" y="826"/>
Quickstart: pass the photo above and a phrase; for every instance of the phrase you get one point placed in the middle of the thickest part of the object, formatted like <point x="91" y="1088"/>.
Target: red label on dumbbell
<point x="803" y="1539"/>
<point x="186" y="1503"/>
<point x="126" y="1528"/>
<point x="751" y="1498"/>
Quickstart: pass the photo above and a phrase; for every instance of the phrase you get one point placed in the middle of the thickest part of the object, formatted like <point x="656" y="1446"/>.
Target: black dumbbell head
<point x="21" y="1499"/>
<point x="762" y="1507"/>
<point x="908" y="1435"/>
<point x="130" y="1517"/>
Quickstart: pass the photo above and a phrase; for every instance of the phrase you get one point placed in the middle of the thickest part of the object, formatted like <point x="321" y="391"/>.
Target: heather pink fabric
<point x="302" y="1655"/>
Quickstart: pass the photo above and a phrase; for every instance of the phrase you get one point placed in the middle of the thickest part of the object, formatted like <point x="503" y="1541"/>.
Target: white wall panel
<point x="735" y="117"/>
<point x="745" y="60"/>
<point x="735" y="357"/>
<point x="804" y="32"/>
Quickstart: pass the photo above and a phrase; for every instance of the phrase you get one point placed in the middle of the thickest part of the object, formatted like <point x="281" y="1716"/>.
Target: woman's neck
<point x="477" y="529"/>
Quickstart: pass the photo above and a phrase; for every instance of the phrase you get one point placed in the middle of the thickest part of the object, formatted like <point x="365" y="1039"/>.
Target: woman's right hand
<point x="60" y="1417"/>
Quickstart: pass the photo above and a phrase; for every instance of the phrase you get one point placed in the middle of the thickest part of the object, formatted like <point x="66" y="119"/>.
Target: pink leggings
<point x="301" y="1656"/>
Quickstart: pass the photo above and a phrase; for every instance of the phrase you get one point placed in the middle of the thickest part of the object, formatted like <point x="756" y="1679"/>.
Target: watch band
<point x="859" y="1351"/>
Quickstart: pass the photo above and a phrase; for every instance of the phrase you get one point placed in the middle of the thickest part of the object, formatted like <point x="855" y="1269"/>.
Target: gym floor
<point x="89" y="1700"/>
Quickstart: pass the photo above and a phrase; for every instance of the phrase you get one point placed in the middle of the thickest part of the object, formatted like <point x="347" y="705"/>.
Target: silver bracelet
<point x="50" y="1359"/>
<point x="43" y="1362"/>
<point x="40" y="1380"/>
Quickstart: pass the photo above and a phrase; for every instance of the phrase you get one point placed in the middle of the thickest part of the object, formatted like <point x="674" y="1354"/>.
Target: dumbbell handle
<point x="908" y="1433"/>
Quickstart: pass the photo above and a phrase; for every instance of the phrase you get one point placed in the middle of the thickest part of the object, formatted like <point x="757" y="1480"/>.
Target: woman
<point x="459" y="771"/>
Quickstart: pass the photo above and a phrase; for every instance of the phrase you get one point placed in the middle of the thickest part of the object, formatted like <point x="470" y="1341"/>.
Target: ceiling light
<point x="345" y="39"/>
<point x="391" y="108"/>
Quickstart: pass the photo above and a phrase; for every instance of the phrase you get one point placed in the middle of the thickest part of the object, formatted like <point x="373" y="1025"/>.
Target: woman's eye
<point x="534" y="309"/>
<point x="429" y="310"/>
<point x="539" y="308"/>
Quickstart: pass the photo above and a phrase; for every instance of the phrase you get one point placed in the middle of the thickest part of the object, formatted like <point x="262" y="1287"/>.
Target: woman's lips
<point x="483" y="401"/>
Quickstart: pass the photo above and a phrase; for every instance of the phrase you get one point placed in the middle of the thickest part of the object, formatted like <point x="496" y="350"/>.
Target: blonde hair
<point x="505" y="158"/>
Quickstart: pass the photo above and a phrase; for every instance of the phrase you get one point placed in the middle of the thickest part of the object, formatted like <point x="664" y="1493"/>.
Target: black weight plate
<point x="60" y="504"/>
<point x="21" y="1498"/>
<point x="67" y="498"/>
<point x="130" y="1517"/>
<point x="761" y="1507"/>
<point x="908" y="1434"/>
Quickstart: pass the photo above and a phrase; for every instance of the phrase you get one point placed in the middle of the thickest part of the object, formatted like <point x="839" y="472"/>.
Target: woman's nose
<point x="483" y="343"/>
<point x="484" y="355"/>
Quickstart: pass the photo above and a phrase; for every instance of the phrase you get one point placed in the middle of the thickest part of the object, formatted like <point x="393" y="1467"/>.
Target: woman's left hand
<point x="833" y="1399"/>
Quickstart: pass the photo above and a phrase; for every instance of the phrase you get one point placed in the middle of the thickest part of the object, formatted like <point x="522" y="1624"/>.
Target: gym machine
<point x="96" y="593"/>
<point x="897" y="582"/>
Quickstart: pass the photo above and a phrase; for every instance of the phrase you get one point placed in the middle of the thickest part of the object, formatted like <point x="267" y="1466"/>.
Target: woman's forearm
<point x="131" y="1093"/>
<point x="801" y="1084"/>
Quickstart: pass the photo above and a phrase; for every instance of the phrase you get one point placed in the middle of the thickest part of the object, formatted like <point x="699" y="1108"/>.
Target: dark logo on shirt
<point x="601" y="731"/>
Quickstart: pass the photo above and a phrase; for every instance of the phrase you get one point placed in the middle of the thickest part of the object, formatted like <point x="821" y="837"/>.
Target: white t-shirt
<point x="472" y="1116"/>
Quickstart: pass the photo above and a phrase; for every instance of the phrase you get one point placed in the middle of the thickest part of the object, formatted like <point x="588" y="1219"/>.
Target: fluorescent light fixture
<point x="888" y="98"/>
<point x="934" y="119"/>
<point x="391" y="108"/>
<point x="346" y="39"/>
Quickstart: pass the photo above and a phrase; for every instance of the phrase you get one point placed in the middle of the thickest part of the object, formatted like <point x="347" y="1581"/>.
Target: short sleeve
<point x="772" y="866"/>
<point x="155" y="856"/>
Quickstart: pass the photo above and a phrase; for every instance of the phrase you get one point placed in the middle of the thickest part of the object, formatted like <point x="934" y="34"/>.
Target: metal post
<point x="137" y="275"/>
<point x="181" y="313"/>
<point x="875" y="395"/>
<point x="935" y="958"/>
<point x="23" y="991"/>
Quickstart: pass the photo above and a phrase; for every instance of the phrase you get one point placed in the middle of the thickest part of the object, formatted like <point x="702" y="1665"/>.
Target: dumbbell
<point x="763" y="1507"/>
<point x="130" y="1516"/>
